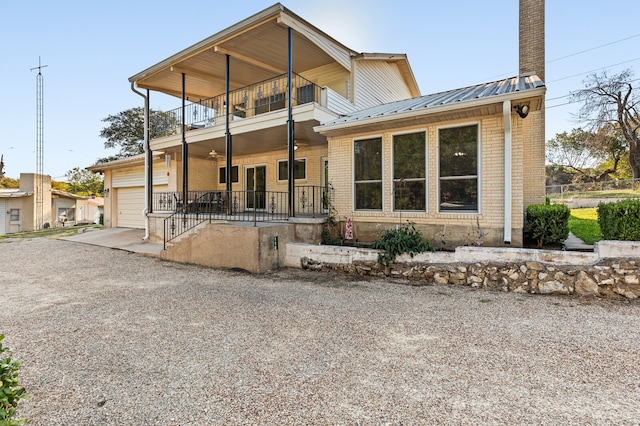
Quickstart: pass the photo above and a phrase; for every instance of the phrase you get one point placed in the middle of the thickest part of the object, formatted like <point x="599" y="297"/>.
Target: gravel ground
<point x="114" y="338"/>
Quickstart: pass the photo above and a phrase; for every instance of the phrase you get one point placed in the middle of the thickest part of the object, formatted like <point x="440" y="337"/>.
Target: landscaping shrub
<point x="547" y="224"/>
<point x="620" y="220"/>
<point x="10" y="391"/>
<point x="405" y="239"/>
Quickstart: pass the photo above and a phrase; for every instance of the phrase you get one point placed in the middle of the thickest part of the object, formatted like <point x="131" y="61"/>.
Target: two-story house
<point x="366" y="147"/>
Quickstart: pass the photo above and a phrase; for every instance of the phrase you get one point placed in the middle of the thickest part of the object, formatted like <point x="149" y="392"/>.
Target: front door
<point x="256" y="186"/>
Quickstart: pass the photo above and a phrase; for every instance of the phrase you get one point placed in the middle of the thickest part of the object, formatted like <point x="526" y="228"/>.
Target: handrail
<point x="253" y="99"/>
<point x="243" y="206"/>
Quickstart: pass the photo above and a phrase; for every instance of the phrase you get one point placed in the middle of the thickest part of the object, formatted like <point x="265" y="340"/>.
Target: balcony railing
<point x="248" y="101"/>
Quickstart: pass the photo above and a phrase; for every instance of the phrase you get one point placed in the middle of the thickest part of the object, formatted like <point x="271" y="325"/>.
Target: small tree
<point x="84" y="182"/>
<point x="611" y="101"/>
<point x="584" y="153"/>
<point x="126" y="131"/>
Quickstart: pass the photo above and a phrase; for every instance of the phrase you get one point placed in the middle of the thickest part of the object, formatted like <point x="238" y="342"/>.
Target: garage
<point x="129" y="207"/>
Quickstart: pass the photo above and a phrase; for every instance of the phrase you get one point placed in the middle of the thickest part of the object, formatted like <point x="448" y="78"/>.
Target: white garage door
<point x="130" y="204"/>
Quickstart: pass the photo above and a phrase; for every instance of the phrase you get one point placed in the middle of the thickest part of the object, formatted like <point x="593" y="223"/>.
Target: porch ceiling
<point x="257" y="48"/>
<point x="256" y="142"/>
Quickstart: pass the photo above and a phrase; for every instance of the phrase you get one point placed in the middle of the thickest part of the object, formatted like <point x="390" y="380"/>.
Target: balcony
<point x="255" y="99"/>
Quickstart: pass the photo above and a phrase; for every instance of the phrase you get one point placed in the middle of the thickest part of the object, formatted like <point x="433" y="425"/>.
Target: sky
<point x="91" y="48"/>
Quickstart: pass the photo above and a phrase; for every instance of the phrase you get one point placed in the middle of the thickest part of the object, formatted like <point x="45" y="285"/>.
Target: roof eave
<point x="326" y="129"/>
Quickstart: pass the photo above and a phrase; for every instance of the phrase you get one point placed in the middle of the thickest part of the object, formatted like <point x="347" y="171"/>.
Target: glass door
<point x="325" y="183"/>
<point x="256" y="186"/>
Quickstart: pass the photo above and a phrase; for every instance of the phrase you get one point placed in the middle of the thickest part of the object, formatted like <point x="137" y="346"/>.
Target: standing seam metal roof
<point x="481" y="91"/>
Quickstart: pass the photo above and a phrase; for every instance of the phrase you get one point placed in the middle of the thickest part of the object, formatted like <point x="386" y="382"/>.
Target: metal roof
<point x="463" y="97"/>
<point x="14" y="193"/>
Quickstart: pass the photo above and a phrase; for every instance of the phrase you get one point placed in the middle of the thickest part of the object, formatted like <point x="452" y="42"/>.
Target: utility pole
<point x="39" y="177"/>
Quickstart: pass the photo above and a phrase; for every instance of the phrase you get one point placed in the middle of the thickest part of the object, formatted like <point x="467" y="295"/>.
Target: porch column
<point x="185" y="149"/>
<point x="290" y="132"/>
<point x="147" y="146"/>
<point x="227" y="140"/>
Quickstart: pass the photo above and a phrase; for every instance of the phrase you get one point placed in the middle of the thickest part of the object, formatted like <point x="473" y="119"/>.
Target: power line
<point x="598" y="69"/>
<point x="593" y="48"/>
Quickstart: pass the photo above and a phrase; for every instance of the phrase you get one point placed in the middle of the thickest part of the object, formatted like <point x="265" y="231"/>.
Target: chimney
<point x="531" y="30"/>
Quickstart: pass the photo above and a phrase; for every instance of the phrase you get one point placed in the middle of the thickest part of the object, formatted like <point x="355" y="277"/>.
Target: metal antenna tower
<point x="39" y="177"/>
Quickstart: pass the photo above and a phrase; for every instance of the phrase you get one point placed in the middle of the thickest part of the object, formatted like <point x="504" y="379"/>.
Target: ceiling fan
<point x="213" y="154"/>
<point x="296" y="145"/>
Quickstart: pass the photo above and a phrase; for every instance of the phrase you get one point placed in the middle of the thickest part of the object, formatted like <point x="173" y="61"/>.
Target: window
<point x="222" y="174"/>
<point x="409" y="172"/>
<point x="270" y="103"/>
<point x="14" y="215"/>
<point x="299" y="169"/>
<point x="367" y="157"/>
<point x="458" y="168"/>
<point x="66" y="214"/>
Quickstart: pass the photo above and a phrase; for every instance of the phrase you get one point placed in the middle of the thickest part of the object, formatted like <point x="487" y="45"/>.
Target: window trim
<point x="478" y="174"/>
<point x="294" y="162"/>
<point x="426" y="170"/>
<point x="353" y="172"/>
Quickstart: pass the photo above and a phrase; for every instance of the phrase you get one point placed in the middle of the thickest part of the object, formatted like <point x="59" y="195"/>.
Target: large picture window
<point x="409" y="172"/>
<point x="367" y="157"/>
<point x="458" y="147"/>
<point x="299" y="169"/>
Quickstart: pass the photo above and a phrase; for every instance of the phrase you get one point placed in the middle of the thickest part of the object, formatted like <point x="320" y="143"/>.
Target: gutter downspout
<point x="506" y="111"/>
<point x="147" y="162"/>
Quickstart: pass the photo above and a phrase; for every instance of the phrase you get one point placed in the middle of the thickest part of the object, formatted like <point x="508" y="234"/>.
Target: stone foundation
<point x="517" y="270"/>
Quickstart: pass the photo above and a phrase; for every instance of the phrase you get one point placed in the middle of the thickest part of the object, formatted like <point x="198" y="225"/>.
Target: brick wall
<point x="446" y="230"/>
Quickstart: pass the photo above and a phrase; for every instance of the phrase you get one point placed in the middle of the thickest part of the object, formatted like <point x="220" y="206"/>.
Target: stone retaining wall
<point x="613" y="270"/>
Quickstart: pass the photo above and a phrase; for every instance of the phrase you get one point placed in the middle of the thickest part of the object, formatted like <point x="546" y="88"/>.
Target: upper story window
<point x="409" y="172"/>
<point x="458" y="168"/>
<point x="299" y="169"/>
<point x="367" y="158"/>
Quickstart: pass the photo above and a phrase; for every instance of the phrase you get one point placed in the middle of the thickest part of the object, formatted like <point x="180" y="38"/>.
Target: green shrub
<point x="620" y="221"/>
<point x="405" y="239"/>
<point x="548" y="224"/>
<point x="10" y="391"/>
<point x="101" y="221"/>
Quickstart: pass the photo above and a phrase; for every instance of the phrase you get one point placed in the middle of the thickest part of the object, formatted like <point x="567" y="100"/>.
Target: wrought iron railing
<point x="311" y="200"/>
<point x="242" y="206"/>
<point x="251" y="100"/>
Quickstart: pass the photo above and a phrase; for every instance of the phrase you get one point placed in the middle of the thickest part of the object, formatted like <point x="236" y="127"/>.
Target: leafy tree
<point x="584" y="153"/>
<point x="84" y="182"/>
<point x="60" y="186"/>
<point x="126" y="131"/>
<point x="7" y="182"/>
<point x="610" y="101"/>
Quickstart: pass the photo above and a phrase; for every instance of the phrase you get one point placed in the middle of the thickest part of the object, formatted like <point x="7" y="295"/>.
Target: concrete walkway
<point x="573" y="243"/>
<point x="119" y="238"/>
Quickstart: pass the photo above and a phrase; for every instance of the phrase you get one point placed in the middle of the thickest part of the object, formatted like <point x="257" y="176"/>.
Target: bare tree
<point x="611" y="101"/>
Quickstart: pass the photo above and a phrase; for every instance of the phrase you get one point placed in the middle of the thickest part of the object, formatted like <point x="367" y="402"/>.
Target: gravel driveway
<point x="114" y="338"/>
